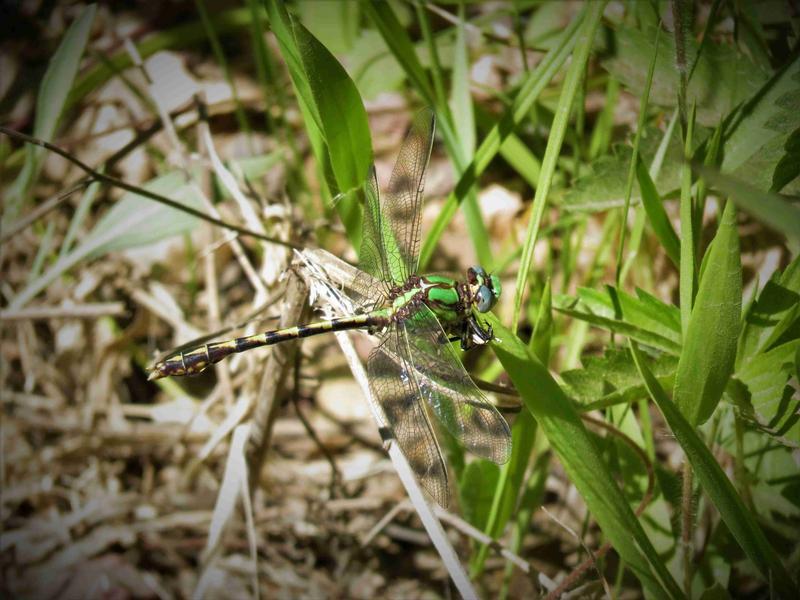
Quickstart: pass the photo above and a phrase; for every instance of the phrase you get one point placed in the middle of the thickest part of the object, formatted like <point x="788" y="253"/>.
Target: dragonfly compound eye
<point x="484" y="299"/>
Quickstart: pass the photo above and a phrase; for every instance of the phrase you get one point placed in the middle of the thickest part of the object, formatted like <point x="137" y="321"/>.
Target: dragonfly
<point x="414" y="371"/>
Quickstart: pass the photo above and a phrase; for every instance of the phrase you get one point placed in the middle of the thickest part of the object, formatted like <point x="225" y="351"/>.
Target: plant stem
<point x="686" y="528"/>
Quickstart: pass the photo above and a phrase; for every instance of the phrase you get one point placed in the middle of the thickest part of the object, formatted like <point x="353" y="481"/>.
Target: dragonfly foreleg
<point x="474" y="334"/>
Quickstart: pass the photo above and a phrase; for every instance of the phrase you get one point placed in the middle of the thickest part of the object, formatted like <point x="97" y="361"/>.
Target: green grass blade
<point x="557" y="132"/>
<point x="635" y="160"/>
<point x="334" y="114"/>
<point x="523" y="434"/>
<point x="688" y="270"/>
<point x="709" y="344"/>
<point x="50" y="105"/>
<point x="531" y="88"/>
<point x="562" y="425"/>
<point x="396" y="37"/>
<point x="219" y="55"/>
<point x="659" y="220"/>
<point x="398" y="41"/>
<point x="741" y="522"/>
<point x="460" y="97"/>
<point x="768" y="207"/>
<point x="132" y="222"/>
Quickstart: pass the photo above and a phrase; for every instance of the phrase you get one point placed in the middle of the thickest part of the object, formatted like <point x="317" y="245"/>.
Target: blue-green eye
<point x="484" y="299"/>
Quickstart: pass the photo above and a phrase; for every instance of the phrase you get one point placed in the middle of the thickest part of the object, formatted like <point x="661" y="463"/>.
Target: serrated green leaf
<point x="772" y="313"/>
<point x="612" y="373"/>
<point x="772" y="112"/>
<point x="773" y="403"/>
<point x="645" y="312"/>
<point x="624" y="328"/>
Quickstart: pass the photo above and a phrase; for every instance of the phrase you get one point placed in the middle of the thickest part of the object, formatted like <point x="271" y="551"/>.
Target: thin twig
<point x="140" y="191"/>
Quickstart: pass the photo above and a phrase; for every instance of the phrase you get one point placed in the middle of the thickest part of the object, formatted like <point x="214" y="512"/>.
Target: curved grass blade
<point x="334" y="115"/>
<point x="50" y="105"/>
<point x="768" y="207"/>
<point x="581" y="458"/>
<point x="737" y="517"/>
<point x="529" y="91"/>
<point x="554" y="141"/>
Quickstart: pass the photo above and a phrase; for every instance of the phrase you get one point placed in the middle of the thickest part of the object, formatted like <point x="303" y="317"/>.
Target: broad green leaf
<point x="622" y="327"/>
<point x="580" y="457"/>
<point x="772" y="112"/>
<point x="333" y="113"/>
<point x="645" y="312"/>
<point x="768" y="207"/>
<point x="343" y="117"/>
<point x="739" y="519"/>
<point x="709" y="347"/>
<point x="767" y="397"/>
<point x="613" y="373"/>
<point x="659" y="220"/>
<point x="774" y="311"/>
<point x="50" y="103"/>
<point x="133" y="221"/>
<point x="722" y="79"/>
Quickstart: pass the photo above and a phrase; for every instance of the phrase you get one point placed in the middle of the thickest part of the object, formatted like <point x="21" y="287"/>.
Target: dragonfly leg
<point x="474" y="334"/>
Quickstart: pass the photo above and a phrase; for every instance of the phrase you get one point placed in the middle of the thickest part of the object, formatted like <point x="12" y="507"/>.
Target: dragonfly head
<point x="485" y="288"/>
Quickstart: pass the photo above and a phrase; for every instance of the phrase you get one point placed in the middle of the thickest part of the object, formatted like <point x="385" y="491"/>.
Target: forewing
<point x="452" y="396"/>
<point x="394" y="385"/>
<point x="374" y="256"/>
<point x="402" y="202"/>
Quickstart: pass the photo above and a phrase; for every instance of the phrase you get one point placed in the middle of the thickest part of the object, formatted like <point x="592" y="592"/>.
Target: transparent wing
<point x="402" y="203"/>
<point x="374" y="256"/>
<point x="452" y="396"/>
<point x="395" y="386"/>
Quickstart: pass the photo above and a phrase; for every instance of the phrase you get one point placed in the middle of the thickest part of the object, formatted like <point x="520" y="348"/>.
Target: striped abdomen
<point x="190" y="362"/>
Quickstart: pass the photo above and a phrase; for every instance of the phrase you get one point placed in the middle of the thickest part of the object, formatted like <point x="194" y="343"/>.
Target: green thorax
<point x="440" y="293"/>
